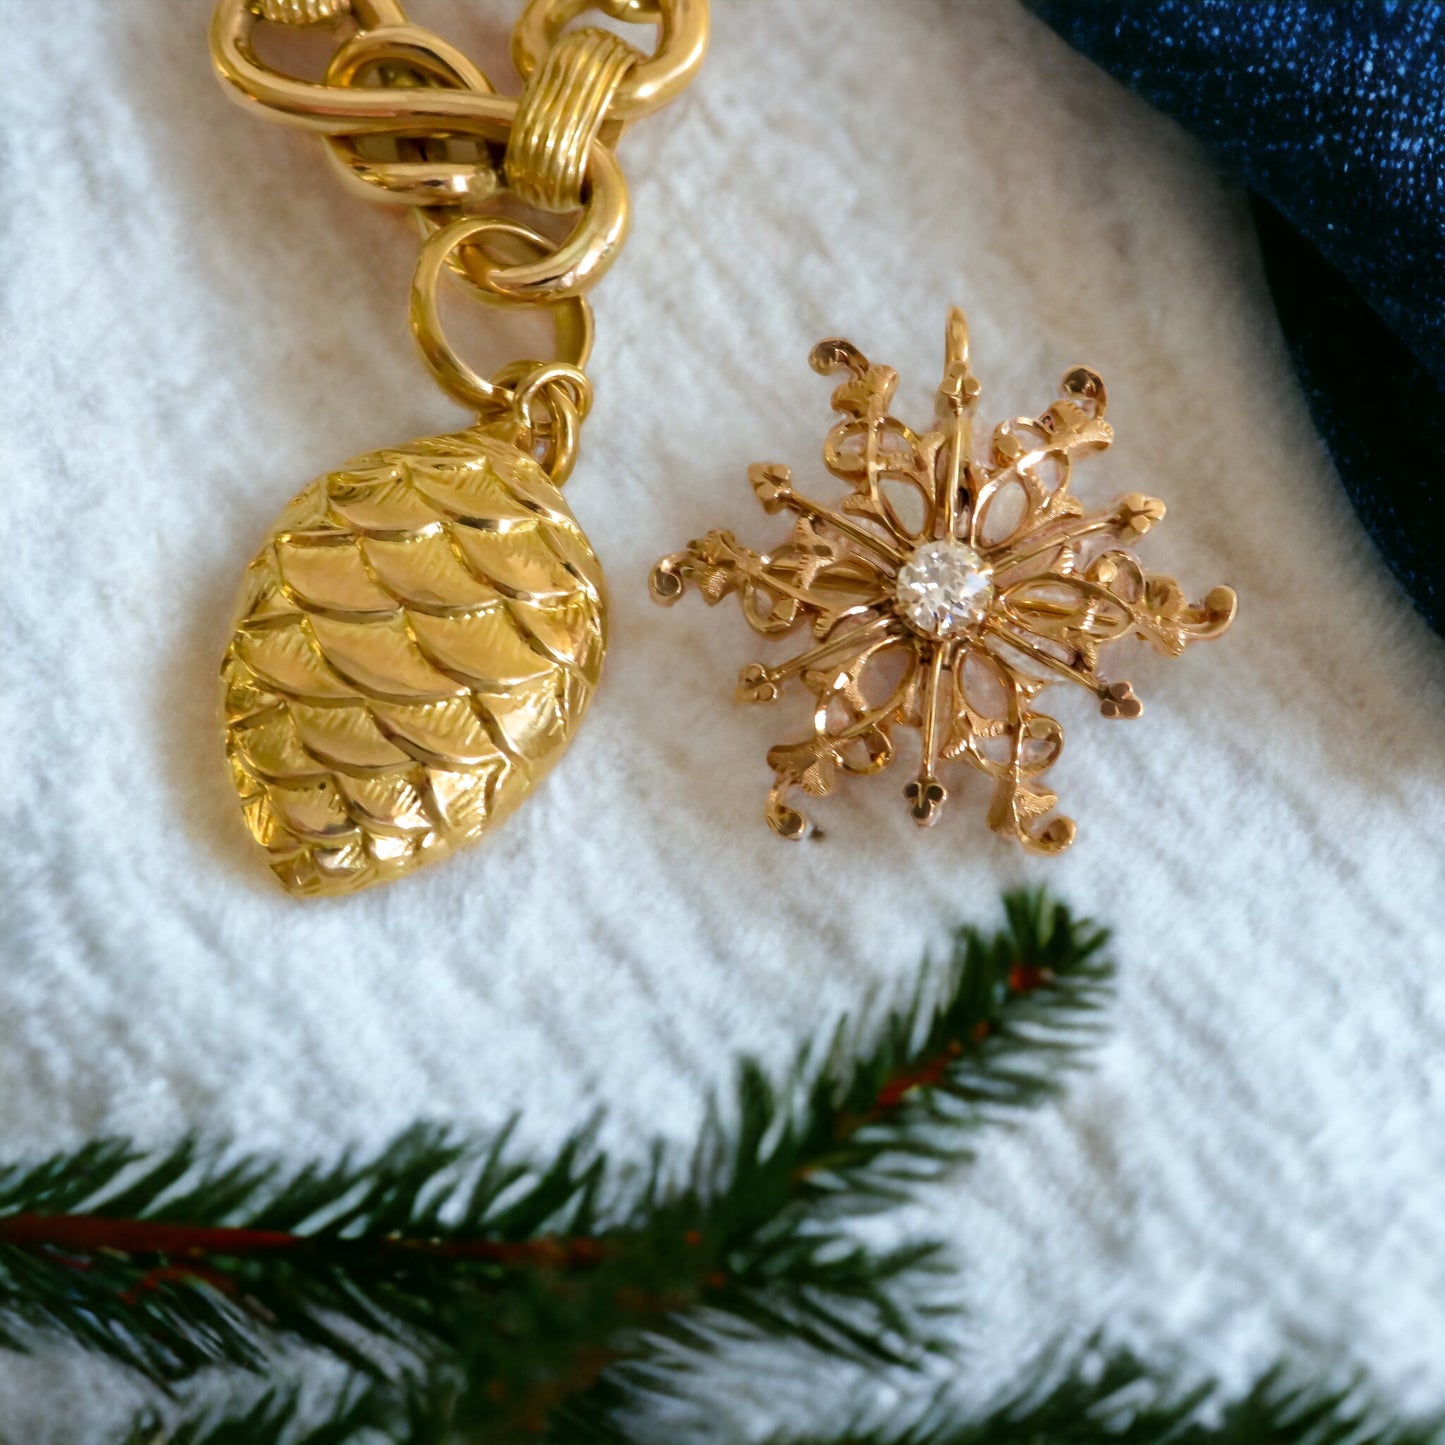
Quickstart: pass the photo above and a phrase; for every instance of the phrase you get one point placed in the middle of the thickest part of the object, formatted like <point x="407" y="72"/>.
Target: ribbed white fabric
<point x="196" y="320"/>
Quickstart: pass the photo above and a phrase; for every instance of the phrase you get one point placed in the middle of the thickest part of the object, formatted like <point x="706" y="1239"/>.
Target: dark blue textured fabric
<point x="1333" y="115"/>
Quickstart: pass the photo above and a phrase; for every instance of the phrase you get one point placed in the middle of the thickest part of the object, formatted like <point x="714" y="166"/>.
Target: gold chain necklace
<point x="421" y="632"/>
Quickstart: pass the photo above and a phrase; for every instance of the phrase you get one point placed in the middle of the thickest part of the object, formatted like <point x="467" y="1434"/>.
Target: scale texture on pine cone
<point x="416" y="642"/>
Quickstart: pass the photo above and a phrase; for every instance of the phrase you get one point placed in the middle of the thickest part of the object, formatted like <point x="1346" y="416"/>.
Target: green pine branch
<point x="481" y="1297"/>
<point x="513" y="1289"/>
<point x="275" y="1418"/>
<point x="1115" y="1400"/>
<point x="172" y="1264"/>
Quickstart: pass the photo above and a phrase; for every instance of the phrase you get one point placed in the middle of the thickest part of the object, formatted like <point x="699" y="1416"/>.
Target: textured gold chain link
<point x="409" y="120"/>
<point x="562" y="110"/>
<point x="303" y="12"/>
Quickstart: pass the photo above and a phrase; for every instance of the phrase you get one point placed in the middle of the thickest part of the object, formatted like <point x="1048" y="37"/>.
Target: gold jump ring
<point x="571" y="316"/>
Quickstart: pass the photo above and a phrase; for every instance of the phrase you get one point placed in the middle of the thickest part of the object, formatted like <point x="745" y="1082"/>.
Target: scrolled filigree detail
<point x="944" y="593"/>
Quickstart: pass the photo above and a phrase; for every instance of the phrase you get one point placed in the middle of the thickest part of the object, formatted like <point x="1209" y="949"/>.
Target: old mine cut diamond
<point x="944" y="588"/>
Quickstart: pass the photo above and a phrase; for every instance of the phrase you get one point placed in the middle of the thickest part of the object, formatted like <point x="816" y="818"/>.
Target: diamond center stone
<point x="944" y="588"/>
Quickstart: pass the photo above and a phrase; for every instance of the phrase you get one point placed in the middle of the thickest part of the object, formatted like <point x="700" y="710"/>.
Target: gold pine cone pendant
<point x="415" y="644"/>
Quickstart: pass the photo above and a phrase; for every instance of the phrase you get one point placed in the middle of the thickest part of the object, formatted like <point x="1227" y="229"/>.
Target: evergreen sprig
<point x="477" y="1295"/>
<point x="507" y="1278"/>
<point x="1116" y="1400"/>
<point x="1108" y="1400"/>
<point x="174" y="1263"/>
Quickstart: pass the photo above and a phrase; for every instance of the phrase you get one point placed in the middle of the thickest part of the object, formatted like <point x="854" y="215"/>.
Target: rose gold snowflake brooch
<point x="944" y="593"/>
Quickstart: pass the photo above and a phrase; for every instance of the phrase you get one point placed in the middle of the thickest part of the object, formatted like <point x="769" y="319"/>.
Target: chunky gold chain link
<point x="562" y="110"/>
<point x="409" y="120"/>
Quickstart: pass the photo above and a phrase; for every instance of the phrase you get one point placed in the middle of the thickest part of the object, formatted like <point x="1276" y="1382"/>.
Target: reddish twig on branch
<point x="84" y="1234"/>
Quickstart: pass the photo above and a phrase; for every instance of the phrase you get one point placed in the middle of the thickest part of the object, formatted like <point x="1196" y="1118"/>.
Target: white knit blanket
<point x="196" y="320"/>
